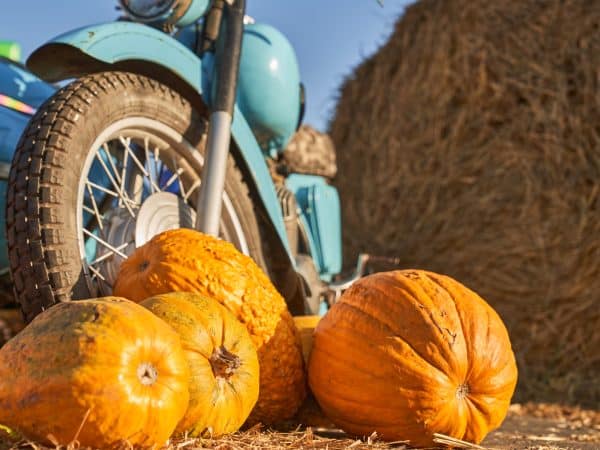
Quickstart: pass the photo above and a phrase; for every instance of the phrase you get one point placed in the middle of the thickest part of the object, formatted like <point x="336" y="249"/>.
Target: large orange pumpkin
<point x="223" y="364"/>
<point x="101" y="371"/>
<point x="188" y="261"/>
<point x="411" y="353"/>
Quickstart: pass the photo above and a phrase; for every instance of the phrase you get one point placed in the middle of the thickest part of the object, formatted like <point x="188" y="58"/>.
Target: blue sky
<point x="330" y="36"/>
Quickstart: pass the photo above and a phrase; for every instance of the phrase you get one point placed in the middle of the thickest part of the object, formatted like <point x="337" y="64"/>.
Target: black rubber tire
<point x="42" y="196"/>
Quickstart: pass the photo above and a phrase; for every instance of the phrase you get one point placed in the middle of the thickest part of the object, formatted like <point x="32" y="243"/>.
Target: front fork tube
<point x="210" y="197"/>
<point x="227" y="61"/>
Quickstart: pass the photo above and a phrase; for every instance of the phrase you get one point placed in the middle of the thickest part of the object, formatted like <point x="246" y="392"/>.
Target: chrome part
<point x="160" y="212"/>
<point x="338" y="287"/>
<point x="289" y="211"/>
<point x="168" y="13"/>
<point x="213" y="173"/>
<point x="147" y="10"/>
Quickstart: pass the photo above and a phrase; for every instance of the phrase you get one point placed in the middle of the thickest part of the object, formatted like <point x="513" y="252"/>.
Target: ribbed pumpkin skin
<point x="88" y="358"/>
<point x="188" y="261"/>
<point x="410" y="353"/>
<point x="223" y="363"/>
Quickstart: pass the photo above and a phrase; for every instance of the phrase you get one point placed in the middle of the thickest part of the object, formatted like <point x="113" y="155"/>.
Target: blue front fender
<point x="123" y="46"/>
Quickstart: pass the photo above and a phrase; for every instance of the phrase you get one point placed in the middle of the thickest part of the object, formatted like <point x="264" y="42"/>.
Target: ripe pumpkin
<point x="189" y="261"/>
<point x="223" y="363"/>
<point x="411" y="353"/>
<point x="102" y="371"/>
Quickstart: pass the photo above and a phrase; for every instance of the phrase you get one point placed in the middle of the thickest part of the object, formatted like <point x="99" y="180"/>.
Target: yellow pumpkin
<point x="411" y="353"/>
<point x="102" y="371"/>
<point x="223" y="363"/>
<point x="188" y="261"/>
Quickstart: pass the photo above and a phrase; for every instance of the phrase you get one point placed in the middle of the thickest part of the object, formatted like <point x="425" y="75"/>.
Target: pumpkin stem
<point x="224" y="363"/>
<point x="147" y="374"/>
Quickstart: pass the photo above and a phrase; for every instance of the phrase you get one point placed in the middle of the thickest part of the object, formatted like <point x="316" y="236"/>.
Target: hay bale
<point x="470" y="145"/>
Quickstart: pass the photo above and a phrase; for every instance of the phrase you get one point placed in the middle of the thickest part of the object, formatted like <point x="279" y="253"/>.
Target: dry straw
<point x="470" y="145"/>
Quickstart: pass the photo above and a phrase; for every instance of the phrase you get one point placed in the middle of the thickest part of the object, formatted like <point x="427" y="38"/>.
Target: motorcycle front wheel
<point x="109" y="161"/>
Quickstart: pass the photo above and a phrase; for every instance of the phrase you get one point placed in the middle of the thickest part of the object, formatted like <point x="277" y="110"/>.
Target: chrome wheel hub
<point x="160" y="212"/>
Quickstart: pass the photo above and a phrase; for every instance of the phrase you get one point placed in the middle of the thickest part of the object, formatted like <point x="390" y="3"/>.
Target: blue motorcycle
<point x="21" y="93"/>
<point x="178" y="115"/>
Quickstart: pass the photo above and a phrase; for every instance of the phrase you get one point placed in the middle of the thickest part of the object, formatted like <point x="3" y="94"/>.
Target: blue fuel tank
<point x="269" y="83"/>
<point x="269" y="86"/>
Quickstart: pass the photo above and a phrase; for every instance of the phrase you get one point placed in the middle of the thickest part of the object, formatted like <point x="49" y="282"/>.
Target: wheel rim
<point x="140" y="177"/>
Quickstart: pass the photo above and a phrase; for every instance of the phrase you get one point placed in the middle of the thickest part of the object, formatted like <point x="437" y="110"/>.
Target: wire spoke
<point x="179" y="182"/>
<point x="96" y="272"/>
<point x="102" y="188"/>
<point x="108" y="191"/>
<point x="112" y="165"/>
<point x="109" y="254"/>
<point x="152" y="174"/>
<point x="96" y="210"/>
<point x="115" y="171"/>
<point x="156" y="162"/>
<point x="121" y="195"/>
<point x="124" y="169"/>
<point x="88" y="210"/>
<point x="135" y="159"/>
<point x="104" y="243"/>
<point x="160" y="172"/>
<point x="173" y="178"/>
<point x="193" y="187"/>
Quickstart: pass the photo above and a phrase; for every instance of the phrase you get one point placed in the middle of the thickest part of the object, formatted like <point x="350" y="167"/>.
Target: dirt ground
<point x="544" y="426"/>
<point x="527" y="427"/>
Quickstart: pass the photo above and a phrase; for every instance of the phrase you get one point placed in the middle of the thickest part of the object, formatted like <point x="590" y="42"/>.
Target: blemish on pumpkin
<point x="452" y="335"/>
<point x="29" y="400"/>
